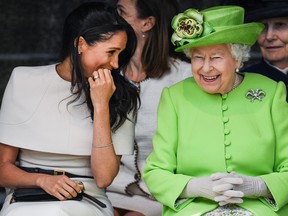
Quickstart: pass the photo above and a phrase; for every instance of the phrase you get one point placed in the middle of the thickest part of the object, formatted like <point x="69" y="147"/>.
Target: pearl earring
<point x="143" y="35"/>
<point x="237" y="70"/>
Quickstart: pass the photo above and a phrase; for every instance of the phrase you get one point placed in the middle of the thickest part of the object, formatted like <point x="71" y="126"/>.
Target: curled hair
<point x="240" y="52"/>
<point x="98" y="22"/>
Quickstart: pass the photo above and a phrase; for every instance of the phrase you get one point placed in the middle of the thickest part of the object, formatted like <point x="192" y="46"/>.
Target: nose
<point x="270" y="33"/>
<point x="207" y="66"/>
<point x="114" y="62"/>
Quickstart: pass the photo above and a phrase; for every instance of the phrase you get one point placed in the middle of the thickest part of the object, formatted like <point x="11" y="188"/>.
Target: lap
<point x="56" y="208"/>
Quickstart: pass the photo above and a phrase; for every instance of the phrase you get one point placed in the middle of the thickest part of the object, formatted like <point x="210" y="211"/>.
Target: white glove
<point x="220" y="180"/>
<point x="200" y="187"/>
<point x="224" y="200"/>
<point x="251" y="186"/>
<point x="203" y="187"/>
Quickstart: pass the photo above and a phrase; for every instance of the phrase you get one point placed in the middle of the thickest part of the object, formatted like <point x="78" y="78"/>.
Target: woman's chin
<point x="210" y="90"/>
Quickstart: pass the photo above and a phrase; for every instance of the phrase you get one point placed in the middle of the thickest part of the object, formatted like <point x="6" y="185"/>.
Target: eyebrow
<point x="114" y="48"/>
<point x="119" y="6"/>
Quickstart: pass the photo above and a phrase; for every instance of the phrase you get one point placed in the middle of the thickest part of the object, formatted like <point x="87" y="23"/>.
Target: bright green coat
<point x="199" y="134"/>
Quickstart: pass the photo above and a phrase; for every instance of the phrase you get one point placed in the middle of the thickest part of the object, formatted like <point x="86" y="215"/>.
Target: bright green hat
<point x="215" y="25"/>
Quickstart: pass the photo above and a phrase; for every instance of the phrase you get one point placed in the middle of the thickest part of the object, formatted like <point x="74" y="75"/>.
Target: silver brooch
<point x="257" y="94"/>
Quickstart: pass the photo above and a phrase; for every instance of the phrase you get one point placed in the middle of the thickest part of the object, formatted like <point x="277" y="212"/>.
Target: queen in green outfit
<point x="221" y="145"/>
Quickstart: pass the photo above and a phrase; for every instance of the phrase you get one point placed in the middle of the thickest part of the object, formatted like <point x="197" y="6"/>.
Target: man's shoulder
<point x="257" y="67"/>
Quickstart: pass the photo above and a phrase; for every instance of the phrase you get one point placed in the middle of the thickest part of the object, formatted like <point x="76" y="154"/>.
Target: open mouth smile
<point x="210" y="78"/>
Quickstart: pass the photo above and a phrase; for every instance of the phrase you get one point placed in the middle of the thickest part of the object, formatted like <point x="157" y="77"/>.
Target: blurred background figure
<point x="273" y="41"/>
<point x="154" y="65"/>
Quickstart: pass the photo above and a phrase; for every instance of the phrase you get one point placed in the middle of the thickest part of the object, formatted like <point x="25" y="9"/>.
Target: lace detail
<point x="229" y="210"/>
<point x="138" y="84"/>
<point x="271" y="202"/>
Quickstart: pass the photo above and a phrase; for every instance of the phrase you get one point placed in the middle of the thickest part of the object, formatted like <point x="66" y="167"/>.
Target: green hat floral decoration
<point x="215" y="25"/>
<point x="188" y="25"/>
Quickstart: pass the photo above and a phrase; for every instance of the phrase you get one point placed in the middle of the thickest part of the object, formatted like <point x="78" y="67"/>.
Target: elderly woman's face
<point x="214" y="68"/>
<point x="273" y="41"/>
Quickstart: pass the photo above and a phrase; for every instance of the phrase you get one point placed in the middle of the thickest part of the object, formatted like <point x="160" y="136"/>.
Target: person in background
<point x="273" y="41"/>
<point x="154" y="65"/>
<point x="71" y="121"/>
<point x="220" y="147"/>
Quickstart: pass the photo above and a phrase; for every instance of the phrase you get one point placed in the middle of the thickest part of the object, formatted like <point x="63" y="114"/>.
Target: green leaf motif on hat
<point x="187" y="26"/>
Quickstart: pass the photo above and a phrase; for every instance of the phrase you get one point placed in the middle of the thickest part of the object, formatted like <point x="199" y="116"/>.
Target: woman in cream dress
<point x="76" y="116"/>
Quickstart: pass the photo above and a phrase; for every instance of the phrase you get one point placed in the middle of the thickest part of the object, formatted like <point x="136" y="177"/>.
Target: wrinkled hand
<point x="102" y="87"/>
<point x="207" y="188"/>
<point x="250" y="186"/>
<point x="60" y="186"/>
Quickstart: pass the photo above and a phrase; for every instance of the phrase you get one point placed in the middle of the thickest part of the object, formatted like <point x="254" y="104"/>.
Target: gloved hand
<point x="222" y="179"/>
<point x="251" y="186"/>
<point x="200" y="187"/>
<point x="203" y="187"/>
<point x="224" y="200"/>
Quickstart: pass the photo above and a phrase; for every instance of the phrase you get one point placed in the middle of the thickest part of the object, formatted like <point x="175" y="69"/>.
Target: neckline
<point x="237" y="82"/>
<point x="138" y="84"/>
<point x="59" y="75"/>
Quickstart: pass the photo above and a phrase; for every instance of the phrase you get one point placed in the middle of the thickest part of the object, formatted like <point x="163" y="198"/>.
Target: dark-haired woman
<point x="74" y="118"/>
<point x="154" y="65"/>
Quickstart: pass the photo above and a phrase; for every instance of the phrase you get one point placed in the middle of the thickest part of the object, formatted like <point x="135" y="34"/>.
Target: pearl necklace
<point x="237" y="81"/>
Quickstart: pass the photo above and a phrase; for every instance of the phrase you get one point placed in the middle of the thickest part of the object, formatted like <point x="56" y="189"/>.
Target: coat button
<point x="224" y="107"/>
<point x="228" y="156"/>
<point x="229" y="169"/>
<point x="225" y="119"/>
<point x="224" y="96"/>
<point x="227" y="142"/>
<point x="226" y="131"/>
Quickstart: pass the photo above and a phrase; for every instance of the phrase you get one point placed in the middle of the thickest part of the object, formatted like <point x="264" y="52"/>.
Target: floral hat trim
<point x="189" y="26"/>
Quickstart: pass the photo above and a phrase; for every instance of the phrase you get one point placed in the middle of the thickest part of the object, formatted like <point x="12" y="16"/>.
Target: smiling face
<point x="102" y="54"/>
<point x="214" y="68"/>
<point x="273" y="41"/>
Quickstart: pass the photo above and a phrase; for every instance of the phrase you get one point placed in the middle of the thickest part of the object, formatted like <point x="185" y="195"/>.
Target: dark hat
<point x="264" y="9"/>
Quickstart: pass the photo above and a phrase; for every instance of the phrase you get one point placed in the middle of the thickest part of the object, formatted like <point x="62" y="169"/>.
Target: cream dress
<point x="51" y="135"/>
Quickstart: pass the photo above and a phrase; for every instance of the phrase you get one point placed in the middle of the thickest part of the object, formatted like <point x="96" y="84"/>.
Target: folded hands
<point x="226" y="188"/>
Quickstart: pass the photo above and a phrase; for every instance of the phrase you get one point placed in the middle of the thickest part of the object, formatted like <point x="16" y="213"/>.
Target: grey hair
<point x="241" y="52"/>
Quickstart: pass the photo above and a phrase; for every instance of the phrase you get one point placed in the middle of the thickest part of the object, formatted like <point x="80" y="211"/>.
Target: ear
<point x="148" y="23"/>
<point x="238" y="64"/>
<point x="82" y="45"/>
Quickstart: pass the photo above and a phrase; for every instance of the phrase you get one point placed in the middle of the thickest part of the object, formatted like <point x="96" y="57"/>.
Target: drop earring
<point x="237" y="70"/>
<point x="143" y="35"/>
